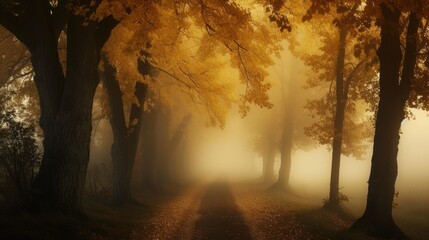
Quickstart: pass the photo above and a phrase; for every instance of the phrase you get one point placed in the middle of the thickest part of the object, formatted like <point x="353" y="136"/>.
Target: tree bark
<point x="66" y="123"/>
<point x="124" y="147"/>
<point x="65" y="102"/>
<point x="122" y="175"/>
<point x="377" y="219"/>
<point x="340" y="107"/>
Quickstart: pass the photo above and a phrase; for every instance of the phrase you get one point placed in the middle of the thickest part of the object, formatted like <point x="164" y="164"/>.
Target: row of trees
<point x="355" y="34"/>
<point x="66" y="87"/>
<point x="147" y="50"/>
<point x="401" y="25"/>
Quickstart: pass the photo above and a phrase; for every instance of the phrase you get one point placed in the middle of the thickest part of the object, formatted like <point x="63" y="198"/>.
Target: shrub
<point x="19" y="153"/>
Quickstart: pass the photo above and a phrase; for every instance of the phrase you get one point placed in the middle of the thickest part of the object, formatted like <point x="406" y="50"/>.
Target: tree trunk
<point x="173" y="161"/>
<point x="122" y="172"/>
<point x="124" y="147"/>
<point x="60" y="183"/>
<point x="65" y="102"/>
<point x="163" y="137"/>
<point x="149" y="148"/>
<point x="268" y="163"/>
<point x="286" y="161"/>
<point x="377" y="219"/>
<point x="122" y="176"/>
<point x="340" y="107"/>
<point x="287" y="136"/>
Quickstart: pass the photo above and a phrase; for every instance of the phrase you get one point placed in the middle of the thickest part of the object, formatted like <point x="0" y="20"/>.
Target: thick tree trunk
<point x="60" y="183"/>
<point x="47" y="68"/>
<point x="121" y="190"/>
<point x="340" y="107"/>
<point x="122" y="176"/>
<point x="122" y="172"/>
<point x="65" y="102"/>
<point x="124" y="147"/>
<point x="377" y="219"/>
<point x="287" y="135"/>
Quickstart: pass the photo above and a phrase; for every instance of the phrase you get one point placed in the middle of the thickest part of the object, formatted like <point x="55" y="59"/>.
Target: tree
<point x="288" y="96"/>
<point x="168" y="138"/>
<point x="396" y="77"/>
<point x="149" y="148"/>
<point x="290" y="135"/>
<point x="268" y="158"/>
<point x="183" y="66"/>
<point x="159" y="145"/>
<point x="348" y="73"/>
<point x="65" y="97"/>
<point x="126" y="136"/>
<point x="19" y="152"/>
<point x="266" y="142"/>
<point x="66" y="93"/>
<point x="173" y="158"/>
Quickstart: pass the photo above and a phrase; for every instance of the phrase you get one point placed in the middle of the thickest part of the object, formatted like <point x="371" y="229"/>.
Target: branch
<point x="246" y="73"/>
<point x="190" y="77"/>
<point x="410" y="57"/>
<point x="136" y="113"/>
<point x="172" y="76"/>
<point x="351" y="77"/>
<point x="104" y="30"/>
<point x="117" y="115"/>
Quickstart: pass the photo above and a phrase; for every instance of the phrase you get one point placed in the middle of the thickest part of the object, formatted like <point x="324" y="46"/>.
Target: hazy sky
<point x="227" y="152"/>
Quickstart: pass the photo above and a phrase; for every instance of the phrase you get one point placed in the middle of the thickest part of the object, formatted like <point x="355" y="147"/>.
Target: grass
<point x="103" y="222"/>
<point x="324" y="222"/>
<point x="330" y="224"/>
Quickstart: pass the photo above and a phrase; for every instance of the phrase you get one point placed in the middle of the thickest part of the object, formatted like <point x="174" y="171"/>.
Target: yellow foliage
<point x="200" y="52"/>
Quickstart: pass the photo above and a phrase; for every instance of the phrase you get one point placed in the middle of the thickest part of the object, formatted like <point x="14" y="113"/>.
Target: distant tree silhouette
<point x="19" y="153"/>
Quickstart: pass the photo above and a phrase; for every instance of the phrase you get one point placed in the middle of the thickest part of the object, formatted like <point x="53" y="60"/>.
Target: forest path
<point x="221" y="211"/>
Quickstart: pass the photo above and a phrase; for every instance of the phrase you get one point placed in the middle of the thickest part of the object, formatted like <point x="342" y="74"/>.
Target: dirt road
<point x="221" y="211"/>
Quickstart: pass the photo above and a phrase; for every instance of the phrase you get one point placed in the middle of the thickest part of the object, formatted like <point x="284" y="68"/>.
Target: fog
<point x="192" y="119"/>
<point x="233" y="152"/>
<point x="228" y="153"/>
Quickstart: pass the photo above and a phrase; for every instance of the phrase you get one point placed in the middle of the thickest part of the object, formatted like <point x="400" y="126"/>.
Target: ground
<point x="217" y="210"/>
<point x="220" y="210"/>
